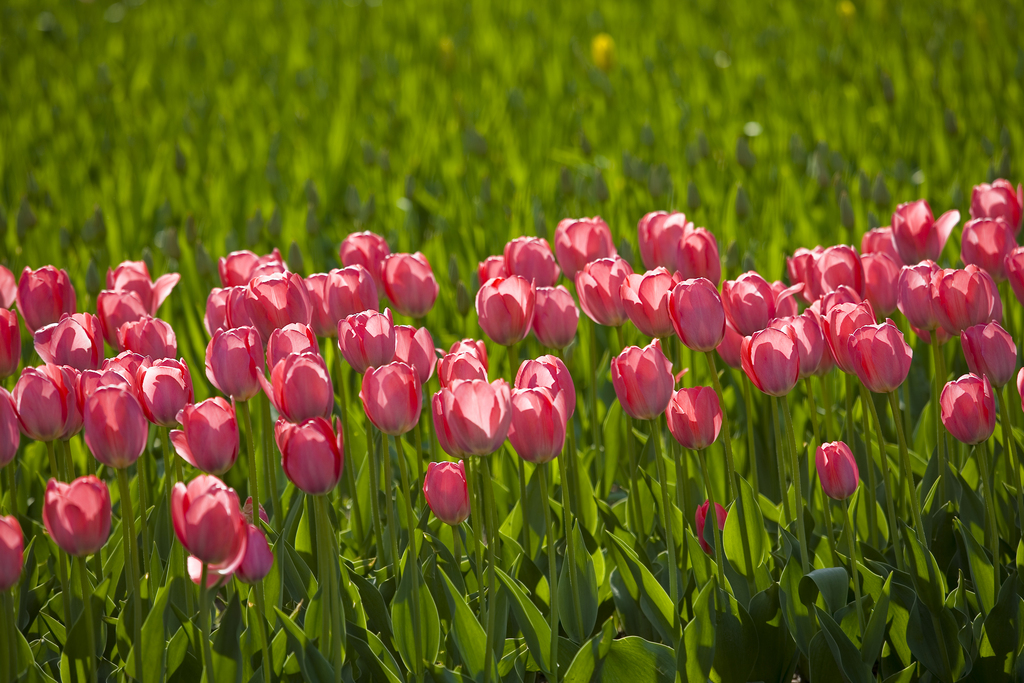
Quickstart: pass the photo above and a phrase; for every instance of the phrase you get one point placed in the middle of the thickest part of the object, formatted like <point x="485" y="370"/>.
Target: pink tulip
<point x="578" y="241"/>
<point x="460" y="366"/>
<point x="208" y="439"/>
<point x="151" y="337"/>
<point x="47" y="401"/>
<point x="367" y="340"/>
<point x="164" y="388"/>
<point x="8" y="288"/>
<point x="12" y="552"/>
<point x="368" y="250"/>
<point x="208" y="522"/>
<point x="1013" y="268"/>
<point x="785" y="299"/>
<point x="599" y="286"/>
<point x="962" y="299"/>
<point x="247" y="512"/>
<point x="475" y="346"/>
<point x="258" y="560"/>
<point x="133" y="276"/>
<point x="116" y="429"/>
<point x="234" y="362"/>
<point x="839" y="265"/>
<point x="338" y="294"/>
<point x="10" y="432"/>
<point x="840" y="295"/>
<point x="76" y="341"/>
<point x="880" y="356"/>
<point x="44" y="295"/>
<point x="643" y="380"/>
<point x="749" y="303"/>
<point x="491" y="267"/>
<point x="238" y="267"/>
<point x="476" y="415"/>
<point x="77" y="515"/>
<point x="805" y="330"/>
<point x="986" y="243"/>
<point x="300" y="387"/>
<point x="968" y="409"/>
<point x="292" y="338"/>
<point x="700" y="519"/>
<point x="444" y="435"/>
<point x="538" y="427"/>
<point x="698" y="314"/>
<point x="880" y="241"/>
<point x="837" y="470"/>
<point x="10" y="343"/>
<point x="880" y="277"/>
<point x="115" y="309"/>
<point x="995" y="311"/>
<point x="312" y="454"/>
<point x="914" y="294"/>
<point x="504" y="307"/>
<point x="555" y="317"/>
<point x="236" y="309"/>
<point x="659" y="234"/>
<point x="415" y="347"/>
<point x="446" y="491"/>
<point x="216" y="317"/>
<point x="998" y="200"/>
<point x="801" y="270"/>
<point x="694" y="417"/>
<point x="771" y="360"/>
<point x="531" y="258"/>
<point x="840" y="323"/>
<point x="918" y="236"/>
<point x="214" y="580"/>
<point x="548" y="372"/>
<point x="273" y="301"/>
<point x="410" y="283"/>
<point x="729" y="349"/>
<point x="990" y="351"/>
<point x="697" y="256"/>
<point x="392" y="397"/>
<point x="646" y="300"/>
<point x="122" y="370"/>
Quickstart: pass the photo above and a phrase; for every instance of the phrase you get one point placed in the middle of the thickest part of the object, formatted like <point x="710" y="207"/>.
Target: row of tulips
<point x="764" y="573"/>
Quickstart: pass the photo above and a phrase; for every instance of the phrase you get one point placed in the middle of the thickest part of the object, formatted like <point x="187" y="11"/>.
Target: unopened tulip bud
<point x="208" y="438"/>
<point x="968" y="408"/>
<point x="643" y="381"/>
<point x="837" y="470"/>
<point x="700" y="518"/>
<point x="12" y="552"/>
<point x="208" y="521"/>
<point x="410" y="284"/>
<point x="77" y="515"/>
<point x="446" y="491"/>
<point x="694" y="417"/>
<point x="505" y="308"/>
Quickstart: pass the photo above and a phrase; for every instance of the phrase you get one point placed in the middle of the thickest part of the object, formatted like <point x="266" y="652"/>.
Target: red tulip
<point x="918" y="236"/>
<point x="214" y="580"/>
<point x="643" y="380"/>
<point x="475" y="346"/>
<point x="247" y="512"/>
<point x="504" y="307"/>
<point x="115" y="309"/>
<point x="76" y="341"/>
<point x="729" y="349"/>
<point x="234" y="362"/>
<point x="273" y="301"/>
<point x="659" y="235"/>
<point x="446" y="491"/>
<point x="805" y="330"/>
<point x="880" y="241"/>
<point x="841" y="295"/>
<point x="338" y="294"/>
<point x="77" y="515"/>
<point x="293" y="338"/>
<point x="12" y="552"/>
<point x="133" y="276"/>
<point x="258" y="560"/>
<point x="91" y="380"/>
<point x="555" y="317"/>
<point x="578" y="241"/>
<point x="10" y="343"/>
<point x="697" y="256"/>
<point x="491" y="267"/>
<point x="392" y="397"/>
<point x="367" y="339"/>
<point x="962" y="299"/>
<point x="460" y="366"/>
<point x="839" y="265"/>
<point x="300" y="387"/>
<point x="48" y="403"/>
<point x="801" y="269"/>
<point x="998" y="200"/>
<point x="415" y="347"/>
<point x="550" y="373"/>
<point x="839" y="324"/>
<point x="880" y="277"/>
<point x="986" y="243"/>
<point x="312" y="454"/>
<point x="476" y="415"/>
<point x="599" y="286"/>
<point x="880" y="356"/>
<point x="151" y="337"/>
<point x="8" y="288"/>
<point x="698" y="314"/>
<point x="968" y="408"/>
<point x="531" y="258"/>
<point x="701" y="518"/>
<point x="44" y="295"/>
<point x="837" y="470"/>
<point x="538" y="426"/>
<point x="410" y="283"/>
<point x="646" y="300"/>
<point x="164" y="388"/>
<point x="914" y="294"/>
<point x="694" y="417"/>
<point x="749" y="303"/>
<point x="990" y="351"/>
<point x="208" y="439"/>
<point x="115" y="426"/>
<point x="771" y="361"/>
<point x="238" y="267"/>
<point x="208" y="522"/>
<point x="10" y="432"/>
<point x="368" y="250"/>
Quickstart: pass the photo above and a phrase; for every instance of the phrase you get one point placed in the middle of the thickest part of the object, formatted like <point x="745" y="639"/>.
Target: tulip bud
<point x="968" y="409"/>
<point x="339" y="294"/>
<point x="771" y="361"/>
<point x="646" y="301"/>
<point x="208" y="439"/>
<point x="75" y="341"/>
<point x="987" y="243"/>
<point x="367" y="339"/>
<point x="239" y="267"/>
<point x="531" y="258"/>
<point x="914" y="294"/>
<point x="149" y="337"/>
<point x="77" y="515"/>
<point x="164" y="388"/>
<point x="698" y="315"/>
<point x="273" y="301"/>
<point x="599" y="287"/>
<point x="12" y="552"/>
<point x="300" y="387"/>
<point x="474" y="346"/>
<point x="208" y="522"/>
<point x="694" y="417"/>
<point x="700" y="518"/>
<point x="8" y="285"/>
<point x="475" y="416"/>
<point x="312" y="454"/>
<point x="538" y="426"/>
<point x="880" y="357"/>
<point x="880" y="277"/>
<point x="505" y="307"/>
<point x="44" y="295"/>
<point x="368" y="250"/>
<point x="409" y="283"/>
<point x="115" y="426"/>
<point x="579" y="241"/>
<point x="460" y="366"/>
<point x="234" y="362"/>
<point x="47" y="402"/>
<point x="805" y="330"/>
<point x="998" y="201"/>
<point x="555" y="317"/>
<point x="643" y="380"/>
<point x="990" y="351"/>
<point x="839" y="265"/>
<point x="258" y="560"/>
<point x="550" y="373"/>
<point x="392" y="397"/>
<point x="839" y="324"/>
<point x="491" y="267"/>
<point x="658" y="235"/>
<point x="837" y="470"/>
<point x="749" y="303"/>
<point x="293" y="338"/>
<point x="133" y="276"/>
<point x="697" y="256"/>
<point x="415" y="347"/>
<point x="10" y="343"/>
<point x="446" y="491"/>
<point x="918" y="236"/>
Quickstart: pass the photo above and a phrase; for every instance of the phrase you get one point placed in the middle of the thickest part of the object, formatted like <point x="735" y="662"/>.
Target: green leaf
<point x="227" y="652"/>
<point x="702" y="566"/>
<point x="697" y="655"/>
<point x="777" y="653"/>
<point x="794" y="611"/>
<point x="832" y="583"/>
<point x="587" y="590"/>
<point x="821" y="662"/>
<point x="378" y="618"/>
<point x="603" y="659"/>
<point x="402" y="615"/>
<point x="844" y="652"/>
<point x="982" y="573"/>
<point x="745" y="541"/>
<point x="154" y="636"/>
<point x="735" y="632"/>
<point x="314" y="668"/>
<point x="371" y="651"/>
<point x="929" y="583"/>
<point x="536" y="630"/>
<point x="654" y="601"/>
<point x="944" y="658"/>
<point x="470" y="637"/>
<point x="874" y="632"/>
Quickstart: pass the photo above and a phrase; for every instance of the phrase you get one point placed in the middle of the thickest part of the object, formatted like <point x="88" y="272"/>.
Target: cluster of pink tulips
<point x="279" y="346"/>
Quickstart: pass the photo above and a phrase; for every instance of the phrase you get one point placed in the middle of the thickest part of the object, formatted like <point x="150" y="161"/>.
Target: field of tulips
<point x="308" y="372"/>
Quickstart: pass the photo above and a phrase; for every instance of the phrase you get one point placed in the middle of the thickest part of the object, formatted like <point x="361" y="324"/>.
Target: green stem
<point x="389" y="506"/>
<point x="981" y="452"/>
<point x="261" y="611"/>
<point x="826" y="399"/>
<point x="850" y="532"/>
<point x="204" y="623"/>
<point x="271" y="464"/>
<point x="830" y="535"/>
<point x="522" y="507"/>
<point x="478" y="515"/>
<point x="250" y="450"/>
<point x="62" y="560"/>
<point x="787" y="514"/>
<point x="414" y="555"/>
<point x="939" y="445"/>
<point x="872" y="485"/>
<point x="634" y="486"/>
<point x="801" y="528"/>
<point x="713" y="513"/>
<point x="373" y="466"/>
<point x="333" y="591"/>
<point x="90" y="638"/>
<point x="7" y="663"/>
<point x="189" y="598"/>
<point x="56" y="469"/>
<point x="1011" y="454"/>
<point x="666" y="504"/>
<point x="570" y="550"/>
<point x="12" y="487"/>
<point x="595" y="426"/>
<point x="682" y="481"/>
<point x="457" y="547"/>
<point x="908" y="472"/>
<point x="890" y="497"/>
<point x="321" y="576"/>
<point x="349" y="469"/>
<point x="748" y="405"/>
<point x="492" y="544"/>
<point x="132" y="555"/>
<point x="69" y="463"/>
<point x="731" y="484"/>
<point x="542" y="472"/>
<point x="941" y="381"/>
<point x="143" y="474"/>
<point x="813" y="491"/>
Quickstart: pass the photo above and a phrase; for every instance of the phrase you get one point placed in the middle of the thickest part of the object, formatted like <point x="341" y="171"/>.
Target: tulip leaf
<point x="832" y="583"/>
<point x="844" y="652"/>
<point x="402" y="615"/>
<point x="821" y="662"/>
<point x="929" y="583"/>
<point x="794" y="611"/>
<point x="607" y="659"/>
<point x="874" y="632"/>
<point x="744" y="539"/>
<point x="154" y="636"/>
<point x="226" y="649"/>
<point x="312" y="665"/>
<point x="697" y="655"/>
<point x="734" y="632"/>
<point x="469" y="635"/>
<point x="945" y="658"/>
<point x="536" y="630"/>
<point x="776" y="654"/>
<point x="982" y="573"/>
<point x="377" y="616"/>
<point x="587" y="590"/>
<point x="371" y="651"/>
<point x="654" y="601"/>
<point x="702" y="565"/>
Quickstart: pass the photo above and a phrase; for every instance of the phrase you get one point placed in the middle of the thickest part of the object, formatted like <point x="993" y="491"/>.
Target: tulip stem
<point x="1010" y="448"/>
<point x="61" y="556"/>
<point x="801" y="528"/>
<point x="850" y="531"/>
<point x="132" y="555"/>
<point x="595" y="423"/>
<point x="7" y="635"/>
<point x="666" y="504"/>
<point x="748" y="405"/>
<point x="330" y="591"/>
<point x="476" y="510"/>
<point x="865" y="405"/>
<point x="270" y="464"/>
<point x="250" y="451"/>
<point x="189" y="597"/>
<point x="935" y="384"/>
<point x="981" y="452"/>
<point x="12" y="488"/>
<point x="414" y="555"/>
<point x="915" y="501"/>
<point x="570" y="548"/>
<point x="55" y="468"/>
<point x="812" y="473"/>
<point x="890" y="498"/>
<point x="492" y="545"/>
<point x="140" y="466"/>
<point x="69" y="464"/>
<point x="634" y="486"/>
<point x="389" y="509"/>
<point x="355" y="520"/>
<point x="204" y="623"/>
<point x="373" y="466"/>
<point x="780" y="463"/>
<point x="261" y="611"/>
<point x="457" y="547"/>
<point x="713" y="514"/>
<point x="522" y="507"/>
<point x="826" y="399"/>
<point x="732" y="485"/>
<point x="90" y="638"/>
<point x="542" y="472"/>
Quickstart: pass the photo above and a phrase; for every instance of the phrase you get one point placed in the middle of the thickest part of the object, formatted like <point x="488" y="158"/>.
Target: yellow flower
<point x="602" y="51"/>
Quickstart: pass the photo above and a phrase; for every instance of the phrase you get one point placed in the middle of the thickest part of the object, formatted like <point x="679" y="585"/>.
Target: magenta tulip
<point x="338" y="294"/>
<point x="698" y="314"/>
<point x="238" y="267"/>
<point x="44" y="295"/>
<point x="258" y="559"/>
<point x="1000" y="201"/>
<point x="578" y="241"/>
<point x="10" y="343"/>
<point x="475" y="346"/>
<point x="801" y="270"/>
<point x="151" y="337"/>
<point x="700" y="518"/>
<point x="75" y="340"/>
<point x="133" y="276"/>
<point x="300" y="387"/>
<point x="538" y="426"/>
<point x="697" y="256"/>
<point x="48" y="403"/>
<point x="555" y="317"/>
<point x="840" y="323"/>
<point x="8" y="288"/>
<point x="115" y="309"/>
<point x="504" y="307"/>
<point x="312" y="454"/>
<point x="460" y="366"/>
<point x="476" y="415"/>
<point x="208" y="439"/>
<point x="10" y="431"/>
<point x="292" y="338"/>
<point x="491" y="267"/>
<point x="367" y="340"/>
<point x="234" y="362"/>
<point x="273" y="301"/>
<point x="368" y="250"/>
<point x="643" y="380"/>
<point x="805" y="330"/>
<point x="968" y="408"/>
<point x="986" y="242"/>
<point x="749" y="303"/>
<point x="392" y="397"/>
<point x="880" y="241"/>
<point x="410" y="284"/>
<point x="659" y="234"/>
<point x="599" y="287"/>
<point x="914" y="294"/>
<point x="550" y="373"/>
<point x="208" y="521"/>
<point x="990" y="351"/>
<point x="12" y="552"/>
<point x="918" y="236"/>
<point x="839" y="265"/>
<point x="531" y="258"/>
<point x="837" y="470"/>
<point x="963" y="299"/>
<point x="771" y="360"/>
<point x="880" y="277"/>
<point x="730" y="348"/>
<point x="164" y="388"/>
<point x="646" y="300"/>
<point x="77" y="515"/>
<point x="880" y="356"/>
<point x="415" y="347"/>
<point x="694" y="417"/>
<point x="115" y="426"/>
<point x="446" y="491"/>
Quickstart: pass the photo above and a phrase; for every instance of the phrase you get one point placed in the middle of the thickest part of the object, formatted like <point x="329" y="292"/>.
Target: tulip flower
<point x="447" y="492"/>
<point x="579" y="241"/>
<point x="1013" y="268"/>
<point x="234" y="362"/>
<point x="555" y="317"/>
<point x="76" y="341"/>
<point x="785" y="298"/>
<point x="44" y="295"/>
<point x="415" y="347"/>
<point x="990" y="351"/>
<point x="968" y="408"/>
<point x="840" y="295"/>
<point x="839" y="265"/>
<point x="476" y="415"/>
<point x="918" y="236"/>
<point x="273" y="301"/>
<point x="659" y="234"/>
<point x="730" y="347"/>
<point x="963" y="299"/>
<point x="367" y="339"/>
<point x="164" y="388"/>
<point x="538" y="426"/>
<point x="986" y="242"/>
<point x="339" y="294"/>
<point x="599" y="287"/>
<point x="368" y="250"/>
<point x="8" y="288"/>
<point x="880" y="241"/>
<point x="311" y="454"/>
<point x="116" y="429"/>
<point x="208" y="521"/>
<point x="801" y="270"/>
<point x="841" y="322"/>
<point x="208" y="439"/>
<point x="236" y="309"/>
<point x="491" y="267"/>
<point x="10" y="431"/>
<point x="805" y="330"/>
<point x="531" y="258"/>
<point x="409" y="283"/>
<point x="214" y="580"/>
<point x="238" y="267"/>
<point x="643" y="380"/>
<point x="1000" y="201"/>
<point x="258" y="559"/>
<point x="504" y="307"/>
<point x="47" y="401"/>
<point x="460" y="366"/>
<point x="700" y="518"/>
<point x="881" y="274"/>
<point x="392" y="397"/>
<point x="771" y="360"/>
<point x="550" y="373"/>
<point x="698" y="315"/>
<point x="475" y="346"/>
<point x="837" y="470"/>
<point x="150" y="337"/>
<point x="646" y="301"/>
<point x="91" y="380"/>
<point x="292" y="338"/>
<point x="115" y="309"/>
<point x="133" y="276"/>
<point x="126" y="364"/>
<point x="300" y="387"/>
<point x="694" y="417"/>
<point x="880" y="356"/>
<point x="914" y="294"/>
<point x="749" y="303"/>
<point x="10" y="343"/>
<point x="216" y="316"/>
<point x="697" y="256"/>
<point x="12" y="552"/>
<point x="77" y="515"/>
